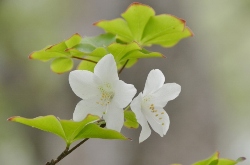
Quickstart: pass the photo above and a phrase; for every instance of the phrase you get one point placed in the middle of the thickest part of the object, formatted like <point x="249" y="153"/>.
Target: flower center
<point x="107" y="94"/>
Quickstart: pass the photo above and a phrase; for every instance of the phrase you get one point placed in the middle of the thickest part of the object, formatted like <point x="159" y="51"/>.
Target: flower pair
<point x="104" y="95"/>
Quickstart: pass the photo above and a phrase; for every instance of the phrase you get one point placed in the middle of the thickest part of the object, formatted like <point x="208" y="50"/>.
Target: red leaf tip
<point x="77" y="34"/>
<point x="136" y="3"/>
<point x="95" y="23"/>
<point x="30" y="56"/>
<point x="11" y="118"/>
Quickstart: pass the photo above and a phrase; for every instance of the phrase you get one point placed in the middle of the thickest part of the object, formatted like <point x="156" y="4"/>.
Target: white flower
<point x="148" y="105"/>
<point x="102" y="92"/>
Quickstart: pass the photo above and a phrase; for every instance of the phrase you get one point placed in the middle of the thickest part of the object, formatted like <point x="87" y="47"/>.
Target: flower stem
<point x="65" y="153"/>
<point x="120" y="71"/>
<point x="79" y="58"/>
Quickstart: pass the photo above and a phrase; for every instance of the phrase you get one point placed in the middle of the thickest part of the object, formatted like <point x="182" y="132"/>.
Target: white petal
<point x="85" y="107"/>
<point x="165" y="120"/>
<point x="83" y="83"/>
<point x="159" y="120"/>
<point x="124" y="93"/>
<point x="166" y="93"/>
<point x="106" y="69"/>
<point x="155" y="80"/>
<point x="114" y="117"/>
<point x="145" y="131"/>
<point x="136" y="108"/>
<point x="155" y="124"/>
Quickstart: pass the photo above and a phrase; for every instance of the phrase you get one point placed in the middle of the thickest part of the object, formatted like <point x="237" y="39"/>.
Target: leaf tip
<point x="30" y="56"/>
<point x="240" y="159"/>
<point x="96" y="23"/>
<point x="129" y="139"/>
<point x="138" y="4"/>
<point x="11" y="118"/>
<point x="217" y="154"/>
<point x="77" y="34"/>
<point x="190" y="31"/>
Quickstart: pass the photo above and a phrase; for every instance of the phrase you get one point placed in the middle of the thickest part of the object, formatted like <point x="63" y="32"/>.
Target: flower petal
<point x="124" y="93"/>
<point x="165" y="120"/>
<point x="136" y="108"/>
<point x="154" y="81"/>
<point x="114" y="117"/>
<point x="106" y="69"/>
<point x="167" y="92"/>
<point x="83" y="83"/>
<point x="159" y="121"/>
<point x="157" y="118"/>
<point x="85" y="107"/>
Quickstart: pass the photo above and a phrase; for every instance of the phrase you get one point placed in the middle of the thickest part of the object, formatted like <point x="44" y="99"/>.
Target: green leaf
<point x="137" y="17"/>
<point x="142" y="54"/>
<point x="69" y="130"/>
<point x="168" y="31"/>
<point x="43" y="55"/>
<point x="130" y="119"/>
<point x="142" y="26"/>
<point x="121" y="50"/>
<point x="46" y="123"/>
<point x="61" y="65"/>
<point x="88" y="65"/>
<point x="130" y="52"/>
<point x="227" y="162"/>
<point x="94" y="131"/>
<point x="117" y="26"/>
<point x="215" y="160"/>
<point x="57" y="50"/>
<point x="102" y="40"/>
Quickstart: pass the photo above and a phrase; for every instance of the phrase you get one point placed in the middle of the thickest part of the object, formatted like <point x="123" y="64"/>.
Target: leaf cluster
<point x="125" y="38"/>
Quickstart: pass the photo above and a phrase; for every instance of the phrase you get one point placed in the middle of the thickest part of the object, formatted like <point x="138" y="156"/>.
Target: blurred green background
<point x="211" y="114"/>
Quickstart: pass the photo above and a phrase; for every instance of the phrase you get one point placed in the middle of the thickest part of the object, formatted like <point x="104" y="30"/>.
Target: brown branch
<point x="79" y="58"/>
<point x="120" y="71"/>
<point x="67" y="151"/>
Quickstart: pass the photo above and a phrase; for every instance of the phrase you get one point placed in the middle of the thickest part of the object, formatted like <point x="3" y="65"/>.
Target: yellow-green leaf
<point x="142" y="26"/>
<point x="61" y="64"/>
<point x="130" y="119"/>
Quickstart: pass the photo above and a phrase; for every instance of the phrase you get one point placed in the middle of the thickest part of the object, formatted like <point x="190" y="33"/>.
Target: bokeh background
<point x="211" y="114"/>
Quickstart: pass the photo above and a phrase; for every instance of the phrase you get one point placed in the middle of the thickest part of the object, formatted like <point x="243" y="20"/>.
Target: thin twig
<point x="84" y="59"/>
<point x="67" y="151"/>
<point x="120" y="71"/>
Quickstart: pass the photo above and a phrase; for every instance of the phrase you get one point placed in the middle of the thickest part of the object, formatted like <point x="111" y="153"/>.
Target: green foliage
<point x="215" y="160"/>
<point x="61" y="64"/>
<point x="62" y="61"/>
<point x="57" y="50"/>
<point x="130" y="119"/>
<point x="142" y="26"/>
<point x="131" y="51"/>
<point x="125" y="40"/>
<point x="69" y="130"/>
